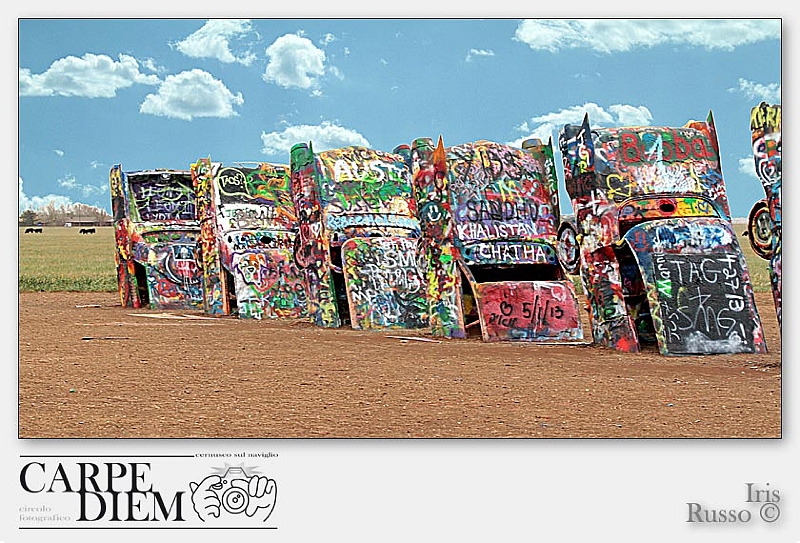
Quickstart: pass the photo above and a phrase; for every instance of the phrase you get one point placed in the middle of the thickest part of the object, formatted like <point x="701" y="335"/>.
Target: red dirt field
<point x="89" y="368"/>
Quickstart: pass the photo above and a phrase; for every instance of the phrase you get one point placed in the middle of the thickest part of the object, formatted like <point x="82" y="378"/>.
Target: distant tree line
<point x="63" y="215"/>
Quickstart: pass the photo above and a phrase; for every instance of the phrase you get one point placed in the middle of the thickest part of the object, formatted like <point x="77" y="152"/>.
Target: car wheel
<point x="568" y="249"/>
<point x="759" y="230"/>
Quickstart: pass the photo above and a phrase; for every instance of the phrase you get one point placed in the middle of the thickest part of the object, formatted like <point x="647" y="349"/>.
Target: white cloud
<point x="69" y="182"/>
<point x="585" y="75"/>
<point x="213" y="40"/>
<point x="327" y="39"/>
<point x="479" y="53"/>
<point x="58" y="201"/>
<point x="620" y="35"/>
<point x="294" y="61"/>
<point x="323" y="137"/>
<point x="191" y="94"/>
<point x="770" y="93"/>
<point x="91" y="190"/>
<point x="336" y="72"/>
<point x="150" y="64"/>
<point x="626" y="115"/>
<point x="549" y="125"/>
<point x="40" y="202"/>
<point x="59" y="152"/>
<point x="91" y="76"/>
<point x="747" y="166"/>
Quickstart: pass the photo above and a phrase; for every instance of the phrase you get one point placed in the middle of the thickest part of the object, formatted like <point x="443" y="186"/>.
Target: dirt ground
<point x="89" y="368"/>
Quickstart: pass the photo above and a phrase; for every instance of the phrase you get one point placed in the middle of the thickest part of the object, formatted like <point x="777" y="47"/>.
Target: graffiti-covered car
<point x="358" y="237"/>
<point x="764" y="222"/>
<point x="659" y="259"/>
<point x="489" y="215"/>
<point x="248" y="227"/>
<point x="156" y="231"/>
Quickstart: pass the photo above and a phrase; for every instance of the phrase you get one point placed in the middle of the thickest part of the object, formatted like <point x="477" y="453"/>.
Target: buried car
<point x="358" y="236"/>
<point x="489" y="217"/>
<point x="658" y="258"/>
<point x="764" y="222"/>
<point x="248" y="227"/>
<point x="156" y="231"/>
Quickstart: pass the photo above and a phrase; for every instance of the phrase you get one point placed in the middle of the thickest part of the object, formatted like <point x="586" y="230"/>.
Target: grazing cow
<point x="37" y="230"/>
<point x="29" y="230"/>
<point x="86" y="231"/>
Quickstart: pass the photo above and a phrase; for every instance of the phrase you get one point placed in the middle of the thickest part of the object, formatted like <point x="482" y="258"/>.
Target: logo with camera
<point x="234" y="494"/>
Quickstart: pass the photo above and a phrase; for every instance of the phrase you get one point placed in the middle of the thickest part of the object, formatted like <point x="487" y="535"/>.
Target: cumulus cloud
<point x="548" y="125"/>
<point x="40" y="202"/>
<point x="770" y="93"/>
<point x="323" y="136"/>
<point x="627" y="115"/>
<point x="294" y="61"/>
<point x="191" y="94"/>
<point x="90" y="76"/>
<point x="478" y="53"/>
<point x="213" y="40"/>
<point x="59" y="201"/>
<point x="59" y="152"/>
<point x="621" y="35"/>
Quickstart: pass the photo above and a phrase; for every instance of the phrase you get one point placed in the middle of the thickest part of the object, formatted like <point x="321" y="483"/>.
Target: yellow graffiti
<point x="766" y="117"/>
<point x="583" y="159"/>
<point x="698" y="185"/>
<point x="115" y="178"/>
<point x="617" y="186"/>
<point x="692" y="207"/>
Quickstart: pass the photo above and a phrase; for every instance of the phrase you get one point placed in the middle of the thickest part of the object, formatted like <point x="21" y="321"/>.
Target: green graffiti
<point x="664" y="286"/>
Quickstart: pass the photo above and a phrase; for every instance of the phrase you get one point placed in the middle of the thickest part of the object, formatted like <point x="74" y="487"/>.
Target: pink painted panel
<point x="528" y="311"/>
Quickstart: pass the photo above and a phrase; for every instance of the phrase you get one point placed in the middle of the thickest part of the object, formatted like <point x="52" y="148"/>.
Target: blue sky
<point x="161" y="93"/>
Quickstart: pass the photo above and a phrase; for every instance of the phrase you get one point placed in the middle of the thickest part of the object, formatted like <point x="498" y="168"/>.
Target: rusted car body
<point x="156" y="231"/>
<point x="358" y="237"/>
<point x="489" y="215"/>
<point x="248" y="230"/>
<point x="764" y="222"/>
<point x="659" y="259"/>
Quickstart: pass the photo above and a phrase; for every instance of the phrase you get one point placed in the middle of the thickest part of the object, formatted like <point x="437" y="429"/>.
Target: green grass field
<point x="62" y="259"/>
